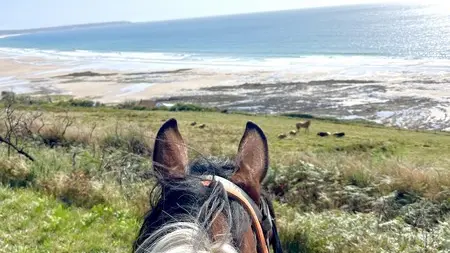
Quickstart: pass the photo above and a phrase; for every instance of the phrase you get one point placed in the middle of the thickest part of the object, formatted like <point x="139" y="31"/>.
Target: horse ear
<point x="252" y="161"/>
<point x="170" y="157"/>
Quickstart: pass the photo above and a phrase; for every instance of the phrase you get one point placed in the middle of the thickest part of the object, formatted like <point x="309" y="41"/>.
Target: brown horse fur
<point x="305" y="125"/>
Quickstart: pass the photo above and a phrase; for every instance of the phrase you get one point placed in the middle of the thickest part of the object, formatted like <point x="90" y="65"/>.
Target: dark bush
<point x="190" y="107"/>
<point x="131" y="141"/>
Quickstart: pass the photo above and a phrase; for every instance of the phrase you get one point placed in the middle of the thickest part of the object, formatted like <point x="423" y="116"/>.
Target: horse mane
<point x="183" y="210"/>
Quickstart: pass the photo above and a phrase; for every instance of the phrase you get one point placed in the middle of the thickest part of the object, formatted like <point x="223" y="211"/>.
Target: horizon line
<point x="196" y="17"/>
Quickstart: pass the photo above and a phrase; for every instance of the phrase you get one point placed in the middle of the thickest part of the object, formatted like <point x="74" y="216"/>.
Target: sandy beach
<point x="405" y="99"/>
<point x="37" y="75"/>
<point x="108" y="86"/>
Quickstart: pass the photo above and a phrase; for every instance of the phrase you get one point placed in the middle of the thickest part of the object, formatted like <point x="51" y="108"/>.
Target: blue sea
<point x="372" y="35"/>
<point x="387" y="63"/>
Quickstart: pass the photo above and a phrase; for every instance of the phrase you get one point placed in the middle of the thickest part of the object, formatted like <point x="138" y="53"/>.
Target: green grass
<point x="424" y="147"/>
<point x="377" y="189"/>
<point x="34" y="222"/>
<point x="337" y="231"/>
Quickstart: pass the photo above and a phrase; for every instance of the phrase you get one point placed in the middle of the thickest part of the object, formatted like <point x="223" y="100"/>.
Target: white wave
<point x="10" y="35"/>
<point x="286" y="68"/>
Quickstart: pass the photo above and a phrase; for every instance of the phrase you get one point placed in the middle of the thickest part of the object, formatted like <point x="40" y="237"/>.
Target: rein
<point x="262" y="220"/>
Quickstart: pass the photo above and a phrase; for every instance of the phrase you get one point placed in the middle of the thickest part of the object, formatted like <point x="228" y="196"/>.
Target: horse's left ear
<point x="252" y="161"/>
<point x="170" y="156"/>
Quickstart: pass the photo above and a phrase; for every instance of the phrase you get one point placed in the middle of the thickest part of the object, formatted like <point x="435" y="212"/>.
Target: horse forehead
<point x="212" y="166"/>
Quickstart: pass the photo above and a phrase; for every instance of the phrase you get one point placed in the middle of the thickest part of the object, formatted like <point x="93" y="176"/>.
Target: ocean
<point x="333" y="35"/>
<point x="387" y="63"/>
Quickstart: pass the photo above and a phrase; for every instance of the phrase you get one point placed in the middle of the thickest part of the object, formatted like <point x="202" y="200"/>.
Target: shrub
<point x="337" y="231"/>
<point x="298" y="115"/>
<point x="8" y="96"/>
<point x="14" y="172"/>
<point x="413" y="209"/>
<point x="140" y="105"/>
<point x="132" y="141"/>
<point x="55" y="135"/>
<point x="74" y="189"/>
<point x="78" y="103"/>
<point x="51" y="137"/>
<point x="178" y="107"/>
<point x="311" y="188"/>
<point x="63" y="133"/>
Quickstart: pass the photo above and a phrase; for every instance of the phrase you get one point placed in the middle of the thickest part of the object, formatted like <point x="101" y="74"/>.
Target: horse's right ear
<point x="252" y="161"/>
<point x="170" y="157"/>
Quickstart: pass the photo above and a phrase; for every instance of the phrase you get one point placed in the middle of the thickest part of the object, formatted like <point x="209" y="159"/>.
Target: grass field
<point x="377" y="189"/>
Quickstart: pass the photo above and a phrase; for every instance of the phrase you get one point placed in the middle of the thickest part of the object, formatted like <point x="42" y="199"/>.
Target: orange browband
<point x="235" y="192"/>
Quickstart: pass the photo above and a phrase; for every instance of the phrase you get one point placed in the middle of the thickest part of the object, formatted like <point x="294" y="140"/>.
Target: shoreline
<point x="408" y="101"/>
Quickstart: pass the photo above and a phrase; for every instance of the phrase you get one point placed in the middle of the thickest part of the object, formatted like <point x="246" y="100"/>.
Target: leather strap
<point x="251" y="207"/>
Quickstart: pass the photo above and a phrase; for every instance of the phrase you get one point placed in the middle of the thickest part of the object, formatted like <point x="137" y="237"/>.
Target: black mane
<point x="188" y="200"/>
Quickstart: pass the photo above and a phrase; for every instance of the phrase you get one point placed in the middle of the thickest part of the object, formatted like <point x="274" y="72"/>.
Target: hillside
<point x="60" y="28"/>
<point x="376" y="189"/>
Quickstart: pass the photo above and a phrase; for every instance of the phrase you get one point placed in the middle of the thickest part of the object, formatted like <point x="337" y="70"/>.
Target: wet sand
<point x="408" y="101"/>
<point x="105" y="85"/>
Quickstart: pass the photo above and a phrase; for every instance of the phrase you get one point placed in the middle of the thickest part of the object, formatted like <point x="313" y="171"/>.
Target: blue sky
<point x="19" y="14"/>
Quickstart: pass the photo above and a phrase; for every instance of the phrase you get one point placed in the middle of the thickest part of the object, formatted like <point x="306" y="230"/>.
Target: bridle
<point x="262" y="216"/>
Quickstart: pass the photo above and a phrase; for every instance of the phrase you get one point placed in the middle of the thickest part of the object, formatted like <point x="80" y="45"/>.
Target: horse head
<point x="210" y="204"/>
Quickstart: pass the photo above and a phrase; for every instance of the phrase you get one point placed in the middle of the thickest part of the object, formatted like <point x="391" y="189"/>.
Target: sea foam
<point x="338" y="66"/>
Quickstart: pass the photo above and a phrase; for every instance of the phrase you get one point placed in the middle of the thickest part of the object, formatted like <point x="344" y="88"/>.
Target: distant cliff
<point x="57" y="28"/>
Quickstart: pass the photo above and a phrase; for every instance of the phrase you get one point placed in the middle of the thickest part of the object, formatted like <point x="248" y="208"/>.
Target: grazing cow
<point x="282" y="136"/>
<point x="339" y="134"/>
<point x="293" y="132"/>
<point x="202" y="126"/>
<point x="323" y="134"/>
<point x="304" y="125"/>
<point x="193" y="123"/>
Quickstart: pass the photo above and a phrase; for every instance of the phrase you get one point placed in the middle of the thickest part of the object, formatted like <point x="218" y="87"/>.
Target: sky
<point x="21" y="14"/>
